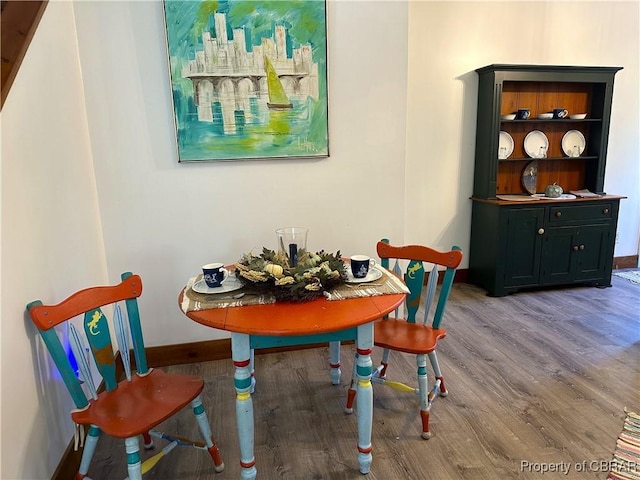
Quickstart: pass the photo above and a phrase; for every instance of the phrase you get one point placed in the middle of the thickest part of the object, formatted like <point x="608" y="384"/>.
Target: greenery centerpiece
<point x="270" y="273"/>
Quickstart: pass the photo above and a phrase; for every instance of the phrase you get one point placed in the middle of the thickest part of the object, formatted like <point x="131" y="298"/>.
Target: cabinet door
<point x="576" y="253"/>
<point x="524" y="243"/>
<point x="594" y="251"/>
<point x="558" y="257"/>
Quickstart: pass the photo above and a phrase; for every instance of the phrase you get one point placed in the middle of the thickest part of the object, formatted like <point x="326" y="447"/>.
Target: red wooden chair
<point x="135" y="405"/>
<point x="406" y="334"/>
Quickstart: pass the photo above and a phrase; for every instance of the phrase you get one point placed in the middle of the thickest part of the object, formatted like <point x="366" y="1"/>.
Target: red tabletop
<point x="297" y="318"/>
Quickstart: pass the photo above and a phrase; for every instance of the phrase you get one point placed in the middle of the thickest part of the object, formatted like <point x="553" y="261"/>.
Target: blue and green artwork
<point x="249" y="78"/>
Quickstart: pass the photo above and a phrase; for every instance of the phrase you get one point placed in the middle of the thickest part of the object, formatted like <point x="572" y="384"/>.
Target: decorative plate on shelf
<point x="536" y="144"/>
<point x="530" y="176"/>
<point x="505" y="145"/>
<point x="573" y="143"/>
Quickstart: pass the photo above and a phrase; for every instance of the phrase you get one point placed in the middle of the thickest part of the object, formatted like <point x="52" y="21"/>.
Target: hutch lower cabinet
<point x="542" y="243"/>
<point x="538" y="125"/>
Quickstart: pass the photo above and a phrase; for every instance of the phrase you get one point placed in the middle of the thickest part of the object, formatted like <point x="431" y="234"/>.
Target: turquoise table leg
<point x="241" y="353"/>
<point x="364" y="397"/>
<point x="134" y="465"/>
<point x="334" y="362"/>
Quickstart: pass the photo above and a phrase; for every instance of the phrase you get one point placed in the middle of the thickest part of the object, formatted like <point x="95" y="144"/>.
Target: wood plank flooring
<point x="540" y="377"/>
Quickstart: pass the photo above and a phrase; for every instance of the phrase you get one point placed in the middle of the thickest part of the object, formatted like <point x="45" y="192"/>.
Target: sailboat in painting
<point x="278" y="99"/>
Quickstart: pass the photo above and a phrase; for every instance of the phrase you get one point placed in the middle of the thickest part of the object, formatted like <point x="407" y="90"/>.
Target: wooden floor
<point x="535" y="379"/>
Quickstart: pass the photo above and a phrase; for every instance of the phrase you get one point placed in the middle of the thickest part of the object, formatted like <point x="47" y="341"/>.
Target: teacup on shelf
<point x="560" y="113"/>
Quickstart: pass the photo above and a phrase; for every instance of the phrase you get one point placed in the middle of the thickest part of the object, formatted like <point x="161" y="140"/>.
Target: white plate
<point x="374" y="274"/>
<point x="536" y="144"/>
<point x="545" y="116"/>
<point x="571" y="141"/>
<point x="230" y="285"/>
<point x="564" y="196"/>
<point x="506" y="143"/>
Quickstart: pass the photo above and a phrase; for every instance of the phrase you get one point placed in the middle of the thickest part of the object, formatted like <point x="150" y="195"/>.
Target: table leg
<point x="334" y="362"/>
<point x="241" y="354"/>
<point x="364" y="397"/>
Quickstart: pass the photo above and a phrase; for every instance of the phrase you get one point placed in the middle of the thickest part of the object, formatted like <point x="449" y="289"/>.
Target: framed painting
<point x="248" y="78"/>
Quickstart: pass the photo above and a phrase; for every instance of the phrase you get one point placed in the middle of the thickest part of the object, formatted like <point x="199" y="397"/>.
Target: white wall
<point x="449" y="40"/>
<point x="51" y="238"/>
<point x="163" y="219"/>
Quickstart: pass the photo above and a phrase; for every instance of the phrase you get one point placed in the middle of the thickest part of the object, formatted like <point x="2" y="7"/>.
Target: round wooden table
<point x="290" y="323"/>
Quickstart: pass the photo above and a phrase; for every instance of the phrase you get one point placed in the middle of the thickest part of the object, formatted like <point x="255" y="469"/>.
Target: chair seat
<point x="140" y="404"/>
<point x="400" y="335"/>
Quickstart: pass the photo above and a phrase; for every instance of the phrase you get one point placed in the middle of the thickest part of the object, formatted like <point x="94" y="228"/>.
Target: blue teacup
<point x="560" y="113"/>
<point x="523" y="114"/>
<point x="360" y="265"/>
<point x="214" y="274"/>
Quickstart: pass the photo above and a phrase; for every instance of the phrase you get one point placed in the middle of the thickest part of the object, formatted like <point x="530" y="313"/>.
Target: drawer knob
<point x="605" y="211"/>
<point x="558" y="214"/>
<point x="575" y="248"/>
<point x="540" y="231"/>
<point x="581" y="247"/>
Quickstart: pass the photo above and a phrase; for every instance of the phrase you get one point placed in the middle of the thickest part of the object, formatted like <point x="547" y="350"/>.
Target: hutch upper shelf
<point x="504" y="89"/>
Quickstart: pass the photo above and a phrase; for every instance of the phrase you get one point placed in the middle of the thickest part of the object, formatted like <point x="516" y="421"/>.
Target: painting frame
<point x="248" y="78"/>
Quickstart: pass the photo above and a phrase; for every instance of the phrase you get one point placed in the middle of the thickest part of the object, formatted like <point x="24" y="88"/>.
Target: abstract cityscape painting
<point x="248" y="78"/>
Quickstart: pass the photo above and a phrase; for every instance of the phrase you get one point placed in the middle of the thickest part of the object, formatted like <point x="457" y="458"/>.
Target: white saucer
<point x="374" y="274"/>
<point x="230" y="285"/>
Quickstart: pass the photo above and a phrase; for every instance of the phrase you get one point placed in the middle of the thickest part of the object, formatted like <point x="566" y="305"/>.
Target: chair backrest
<point x="415" y="274"/>
<point x="88" y="302"/>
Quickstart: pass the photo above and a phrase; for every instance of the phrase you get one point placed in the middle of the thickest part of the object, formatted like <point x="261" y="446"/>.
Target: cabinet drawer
<point x="582" y="212"/>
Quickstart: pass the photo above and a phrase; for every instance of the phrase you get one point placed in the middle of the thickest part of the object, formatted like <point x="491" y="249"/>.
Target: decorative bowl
<point x="578" y="116"/>
<point x="509" y="116"/>
<point x="545" y="116"/>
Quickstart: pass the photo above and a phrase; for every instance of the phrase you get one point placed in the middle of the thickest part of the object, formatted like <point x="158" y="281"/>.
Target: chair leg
<point x="334" y="362"/>
<point x="148" y="441"/>
<point x="384" y="362"/>
<point x="134" y="465"/>
<point x="87" y="453"/>
<point x="351" y="394"/>
<point x="433" y="358"/>
<point x="203" y="423"/>
<point x="425" y="406"/>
